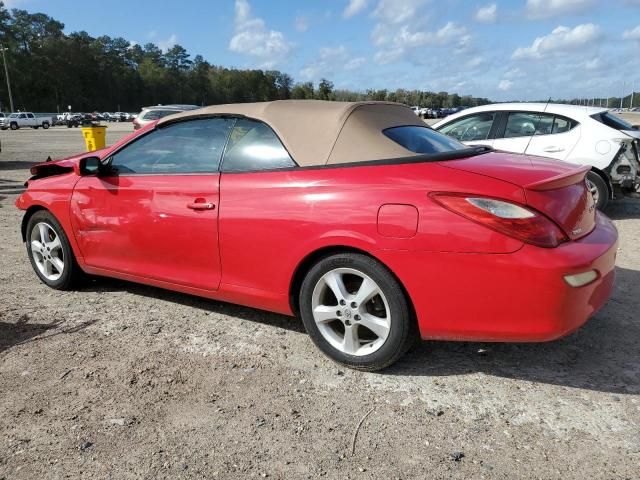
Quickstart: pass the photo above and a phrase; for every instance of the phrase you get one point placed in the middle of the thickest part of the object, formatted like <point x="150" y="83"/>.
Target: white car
<point x="581" y="135"/>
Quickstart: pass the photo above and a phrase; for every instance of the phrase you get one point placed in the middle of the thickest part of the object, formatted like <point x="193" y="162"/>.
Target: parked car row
<point x="77" y="118"/>
<point x="435" y="112"/>
<point x="588" y="136"/>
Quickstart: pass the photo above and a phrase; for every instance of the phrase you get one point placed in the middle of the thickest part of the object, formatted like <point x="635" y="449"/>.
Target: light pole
<point x="622" y="97"/>
<point x="633" y="89"/>
<point x="6" y="72"/>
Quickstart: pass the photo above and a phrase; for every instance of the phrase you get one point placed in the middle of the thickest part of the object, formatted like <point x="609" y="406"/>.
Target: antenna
<point x="544" y="110"/>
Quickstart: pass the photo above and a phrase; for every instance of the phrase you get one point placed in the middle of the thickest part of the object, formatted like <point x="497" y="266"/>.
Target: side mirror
<point x="92" y="166"/>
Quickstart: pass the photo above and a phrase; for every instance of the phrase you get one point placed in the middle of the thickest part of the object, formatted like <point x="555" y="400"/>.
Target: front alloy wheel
<point x="46" y="250"/>
<point x="50" y="252"/>
<point x="356" y="312"/>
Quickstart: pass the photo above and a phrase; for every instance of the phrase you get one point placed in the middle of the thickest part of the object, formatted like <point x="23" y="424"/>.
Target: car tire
<point x="599" y="189"/>
<point x="13" y="126"/>
<point x="45" y="125"/>
<point x="52" y="259"/>
<point x="339" y="327"/>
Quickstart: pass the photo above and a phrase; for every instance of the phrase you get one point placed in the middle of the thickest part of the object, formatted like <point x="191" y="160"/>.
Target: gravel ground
<point x="119" y="381"/>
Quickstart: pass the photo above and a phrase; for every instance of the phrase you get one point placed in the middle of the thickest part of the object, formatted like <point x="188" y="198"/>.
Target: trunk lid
<point x="554" y="188"/>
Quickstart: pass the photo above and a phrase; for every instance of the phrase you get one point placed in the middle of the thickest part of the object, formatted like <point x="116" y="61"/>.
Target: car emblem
<point x="347" y="313"/>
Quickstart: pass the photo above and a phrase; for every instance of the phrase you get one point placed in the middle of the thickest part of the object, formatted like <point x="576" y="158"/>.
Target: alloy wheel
<point x="46" y="250"/>
<point x="351" y="311"/>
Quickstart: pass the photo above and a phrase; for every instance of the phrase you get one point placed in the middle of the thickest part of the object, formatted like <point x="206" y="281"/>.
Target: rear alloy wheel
<point x="45" y="125"/>
<point x="598" y="188"/>
<point x="50" y="253"/>
<point x="356" y="312"/>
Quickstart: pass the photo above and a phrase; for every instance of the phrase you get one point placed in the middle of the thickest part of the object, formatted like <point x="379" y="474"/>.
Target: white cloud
<point x="166" y="44"/>
<point x="395" y="41"/>
<point x="331" y="61"/>
<point x="301" y="23"/>
<point x="475" y="62"/>
<point x="514" y="73"/>
<point x="487" y="14"/>
<point x="252" y="37"/>
<point x="632" y="34"/>
<point x="397" y="11"/>
<point x="537" y="9"/>
<point x="505" y="85"/>
<point x="559" y="41"/>
<point x="354" y="7"/>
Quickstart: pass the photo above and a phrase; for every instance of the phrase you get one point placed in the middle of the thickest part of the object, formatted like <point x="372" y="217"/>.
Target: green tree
<point x="325" y="89"/>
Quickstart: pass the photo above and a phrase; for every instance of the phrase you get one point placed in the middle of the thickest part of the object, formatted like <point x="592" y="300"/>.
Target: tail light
<point x="508" y="218"/>
<point x="136" y="125"/>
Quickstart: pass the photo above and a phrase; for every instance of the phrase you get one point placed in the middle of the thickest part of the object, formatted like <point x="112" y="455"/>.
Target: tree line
<point x="50" y="70"/>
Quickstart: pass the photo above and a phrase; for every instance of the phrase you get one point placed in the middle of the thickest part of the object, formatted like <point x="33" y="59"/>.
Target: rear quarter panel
<point x="271" y="221"/>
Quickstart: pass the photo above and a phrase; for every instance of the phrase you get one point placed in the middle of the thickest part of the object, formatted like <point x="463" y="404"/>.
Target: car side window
<point x="562" y="125"/>
<point x="254" y="146"/>
<point x="473" y="127"/>
<point x="193" y="146"/>
<point x="30" y="115"/>
<point x="526" y="124"/>
<point x="22" y="115"/>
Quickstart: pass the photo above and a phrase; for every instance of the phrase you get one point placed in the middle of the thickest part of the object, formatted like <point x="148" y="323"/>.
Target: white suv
<point x="149" y="114"/>
<point x="582" y="135"/>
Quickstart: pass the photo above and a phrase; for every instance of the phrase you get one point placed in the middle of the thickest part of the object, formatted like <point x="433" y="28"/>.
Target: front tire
<point x="598" y="188"/>
<point x="14" y="126"/>
<point x="356" y="312"/>
<point x="50" y="253"/>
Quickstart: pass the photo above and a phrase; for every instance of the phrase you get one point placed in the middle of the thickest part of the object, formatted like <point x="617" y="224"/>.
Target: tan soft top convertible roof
<point x="318" y="132"/>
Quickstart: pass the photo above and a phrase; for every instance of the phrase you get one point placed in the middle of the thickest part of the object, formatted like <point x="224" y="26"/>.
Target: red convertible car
<point x="370" y="226"/>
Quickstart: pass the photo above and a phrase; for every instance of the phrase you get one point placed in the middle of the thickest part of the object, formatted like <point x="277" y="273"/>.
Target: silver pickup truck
<point x="25" y="119"/>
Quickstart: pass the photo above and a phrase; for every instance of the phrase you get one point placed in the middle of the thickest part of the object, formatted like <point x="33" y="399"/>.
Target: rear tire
<point x="598" y="188"/>
<point x="50" y="253"/>
<point x="45" y="125"/>
<point x="367" y="325"/>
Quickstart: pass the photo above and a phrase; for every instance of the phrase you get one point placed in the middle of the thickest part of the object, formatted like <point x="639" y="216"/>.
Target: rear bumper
<point x="520" y="297"/>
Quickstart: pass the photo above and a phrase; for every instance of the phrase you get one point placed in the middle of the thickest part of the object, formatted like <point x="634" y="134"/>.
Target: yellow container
<point x="94" y="137"/>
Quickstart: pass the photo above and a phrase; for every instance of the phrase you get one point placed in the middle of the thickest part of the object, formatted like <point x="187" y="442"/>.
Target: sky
<point x="500" y="49"/>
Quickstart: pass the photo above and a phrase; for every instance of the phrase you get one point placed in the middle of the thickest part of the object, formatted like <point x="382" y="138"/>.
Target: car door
<point x="255" y="192"/>
<point x="155" y="213"/>
<point x="559" y="142"/>
<point x="475" y="129"/>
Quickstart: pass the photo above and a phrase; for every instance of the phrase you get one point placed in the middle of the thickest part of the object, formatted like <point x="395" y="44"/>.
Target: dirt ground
<point x="118" y="381"/>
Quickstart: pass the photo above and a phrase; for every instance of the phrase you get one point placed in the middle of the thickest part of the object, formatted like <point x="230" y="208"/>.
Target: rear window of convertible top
<point x="423" y="140"/>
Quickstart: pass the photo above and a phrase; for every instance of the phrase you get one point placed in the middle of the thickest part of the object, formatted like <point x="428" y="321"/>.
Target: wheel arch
<point x="312" y="258"/>
<point x="25" y="219"/>
<point x="606" y="180"/>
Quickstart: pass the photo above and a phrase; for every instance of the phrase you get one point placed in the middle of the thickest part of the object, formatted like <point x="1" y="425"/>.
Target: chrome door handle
<point x="201" y="206"/>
